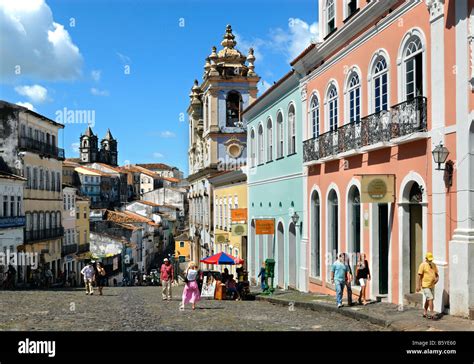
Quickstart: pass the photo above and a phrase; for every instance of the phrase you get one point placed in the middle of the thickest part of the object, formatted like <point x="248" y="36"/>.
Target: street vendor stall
<point x="219" y="287"/>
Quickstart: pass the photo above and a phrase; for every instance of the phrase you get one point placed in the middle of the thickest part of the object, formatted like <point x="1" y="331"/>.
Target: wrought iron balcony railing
<point x="36" y="235"/>
<point x="83" y="248"/>
<point x="68" y="249"/>
<point x="42" y="148"/>
<point x="12" y="221"/>
<point x="401" y="120"/>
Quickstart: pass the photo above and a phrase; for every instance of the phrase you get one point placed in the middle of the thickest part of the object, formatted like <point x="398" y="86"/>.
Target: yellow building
<point x="182" y="248"/>
<point x="230" y="208"/>
<point x="30" y="149"/>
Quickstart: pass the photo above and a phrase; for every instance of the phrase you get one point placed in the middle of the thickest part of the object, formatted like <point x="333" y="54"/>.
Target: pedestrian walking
<point x="89" y="274"/>
<point x="362" y="277"/>
<point x="339" y="276"/>
<point x="49" y="278"/>
<point x="100" y="277"/>
<point x="191" y="290"/>
<point x="349" y="279"/>
<point x="262" y="276"/>
<point x="427" y="279"/>
<point x="166" y="275"/>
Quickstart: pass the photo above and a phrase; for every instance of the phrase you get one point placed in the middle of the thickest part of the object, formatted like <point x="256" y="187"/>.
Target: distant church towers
<point x="90" y="152"/>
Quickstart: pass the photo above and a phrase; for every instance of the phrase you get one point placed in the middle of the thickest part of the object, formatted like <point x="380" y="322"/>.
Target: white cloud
<point x="167" y="134"/>
<point x="26" y="104"/>
<point x="97" y="92"/>
<point x="296" y="38"/>
<point x="96" y="74"/>
<point x="75" y="147"/>
<point x="33" y="44"/>
<point x="36" y="93"/>
<point x="244" y="45"/>
<point x="158" y="155"/>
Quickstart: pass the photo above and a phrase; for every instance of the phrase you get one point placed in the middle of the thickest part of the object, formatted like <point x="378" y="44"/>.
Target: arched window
<point x="380" y="84"/>
<point x="314" y="115"/>
<point x="280" y="135"/>
<point x="261" y="147"/>
<point x="333" y="224"/>
<point x="269" y="140"/>
<point x="413" y="60"/>
<point x="252" y="148"/>
<point x="315" y="235"/>
<point x="330" y="16"/>
<point x="291" y="130"/>
<point x="353" y="97"/>
<point x="332" y="108"/>
<point x="233" y="108"/>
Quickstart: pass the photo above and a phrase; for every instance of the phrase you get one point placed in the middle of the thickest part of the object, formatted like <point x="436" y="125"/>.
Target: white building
<point x="12" y="216"/>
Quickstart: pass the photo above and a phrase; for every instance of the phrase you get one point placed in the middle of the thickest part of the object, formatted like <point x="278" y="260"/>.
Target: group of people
<point x="94" y="273"/>
<point x="341" y="277"/>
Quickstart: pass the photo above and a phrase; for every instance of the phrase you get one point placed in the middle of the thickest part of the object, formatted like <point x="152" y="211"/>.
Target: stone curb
<point x="315" y="306"/>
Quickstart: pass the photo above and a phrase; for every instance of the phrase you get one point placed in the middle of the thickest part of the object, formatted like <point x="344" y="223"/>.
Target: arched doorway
<point x="281" y="255"/>
<point x="292" y="256"/>
<point x="333" y="228"/>
<point x="315" y="235"/>
<point x="416" y="233"/>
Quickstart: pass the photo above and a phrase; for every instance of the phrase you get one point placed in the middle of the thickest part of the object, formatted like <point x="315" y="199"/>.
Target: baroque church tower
<point x="217" y="136"/>
<point x="90" y="152"/>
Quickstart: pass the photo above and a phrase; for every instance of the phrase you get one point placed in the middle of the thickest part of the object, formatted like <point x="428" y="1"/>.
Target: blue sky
<point x="132" y="63"/>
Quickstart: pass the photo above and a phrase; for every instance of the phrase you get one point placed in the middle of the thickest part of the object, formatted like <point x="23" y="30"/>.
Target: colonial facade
<point x="29" y="149"/>
<point x="12" y="219"/>
<point x="389" y="82"/>
<point x="275" y="182"/>
<point x="217" y="137"/>
<point x="230" y="234"/>
<point x="69" y="243"/>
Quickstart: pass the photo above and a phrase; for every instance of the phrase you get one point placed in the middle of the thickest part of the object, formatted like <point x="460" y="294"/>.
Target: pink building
<point x="388" y="82"/>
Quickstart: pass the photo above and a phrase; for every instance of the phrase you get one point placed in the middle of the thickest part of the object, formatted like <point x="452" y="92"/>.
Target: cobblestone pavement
<point x="141" y="308"/>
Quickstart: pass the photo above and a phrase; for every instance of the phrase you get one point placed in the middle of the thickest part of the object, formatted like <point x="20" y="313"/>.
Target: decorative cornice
<point x="436" y="8"/>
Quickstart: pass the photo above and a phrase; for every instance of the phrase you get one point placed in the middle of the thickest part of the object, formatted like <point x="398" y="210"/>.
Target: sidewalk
<point x="387" y="315"/>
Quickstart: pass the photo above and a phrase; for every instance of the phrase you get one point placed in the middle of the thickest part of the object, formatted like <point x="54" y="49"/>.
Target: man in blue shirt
<point x="339" y="272"/>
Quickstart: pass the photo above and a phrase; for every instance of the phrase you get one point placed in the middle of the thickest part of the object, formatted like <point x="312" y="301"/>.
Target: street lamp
<point x="440" y="154"/>
<point x="295" y="218"/>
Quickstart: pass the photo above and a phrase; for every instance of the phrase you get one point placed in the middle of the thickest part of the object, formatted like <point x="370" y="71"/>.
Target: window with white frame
<point x="332" y="108"/>
<point x="280" y="135"/>
<point x="330" y="16"/>
<point x="314" y="116"/>
<point x="351" y="7"/>
<point x="269" y="140"/>
<point x="291" y="130"/>
<point x="261" y="147"/>
<point x="380" y="85"/>
<point x="353" y="97"/>
<point x="413" y="59"/>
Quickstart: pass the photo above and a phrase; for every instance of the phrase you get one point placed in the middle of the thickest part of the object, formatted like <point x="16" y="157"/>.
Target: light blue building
<point x="275" y="181"/>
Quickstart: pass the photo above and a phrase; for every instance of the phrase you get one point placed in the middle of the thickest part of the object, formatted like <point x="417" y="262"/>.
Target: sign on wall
<point x="378" y="188"/>
<point x="265" y="226"/>
<point x="238" y="215"/>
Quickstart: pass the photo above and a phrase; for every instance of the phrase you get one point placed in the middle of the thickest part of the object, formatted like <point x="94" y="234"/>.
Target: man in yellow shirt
<point x="427" y="279"/>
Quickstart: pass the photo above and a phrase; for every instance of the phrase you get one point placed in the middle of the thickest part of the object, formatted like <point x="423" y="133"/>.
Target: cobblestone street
<point x="141" y="308"/>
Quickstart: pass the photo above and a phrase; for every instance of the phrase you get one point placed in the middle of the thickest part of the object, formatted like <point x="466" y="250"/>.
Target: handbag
<point x="186" y="277"/>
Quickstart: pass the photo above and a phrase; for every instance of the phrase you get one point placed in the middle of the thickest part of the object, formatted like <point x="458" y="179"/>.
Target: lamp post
<point x="440" y="154"/>
<point x="295" y="218"/>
